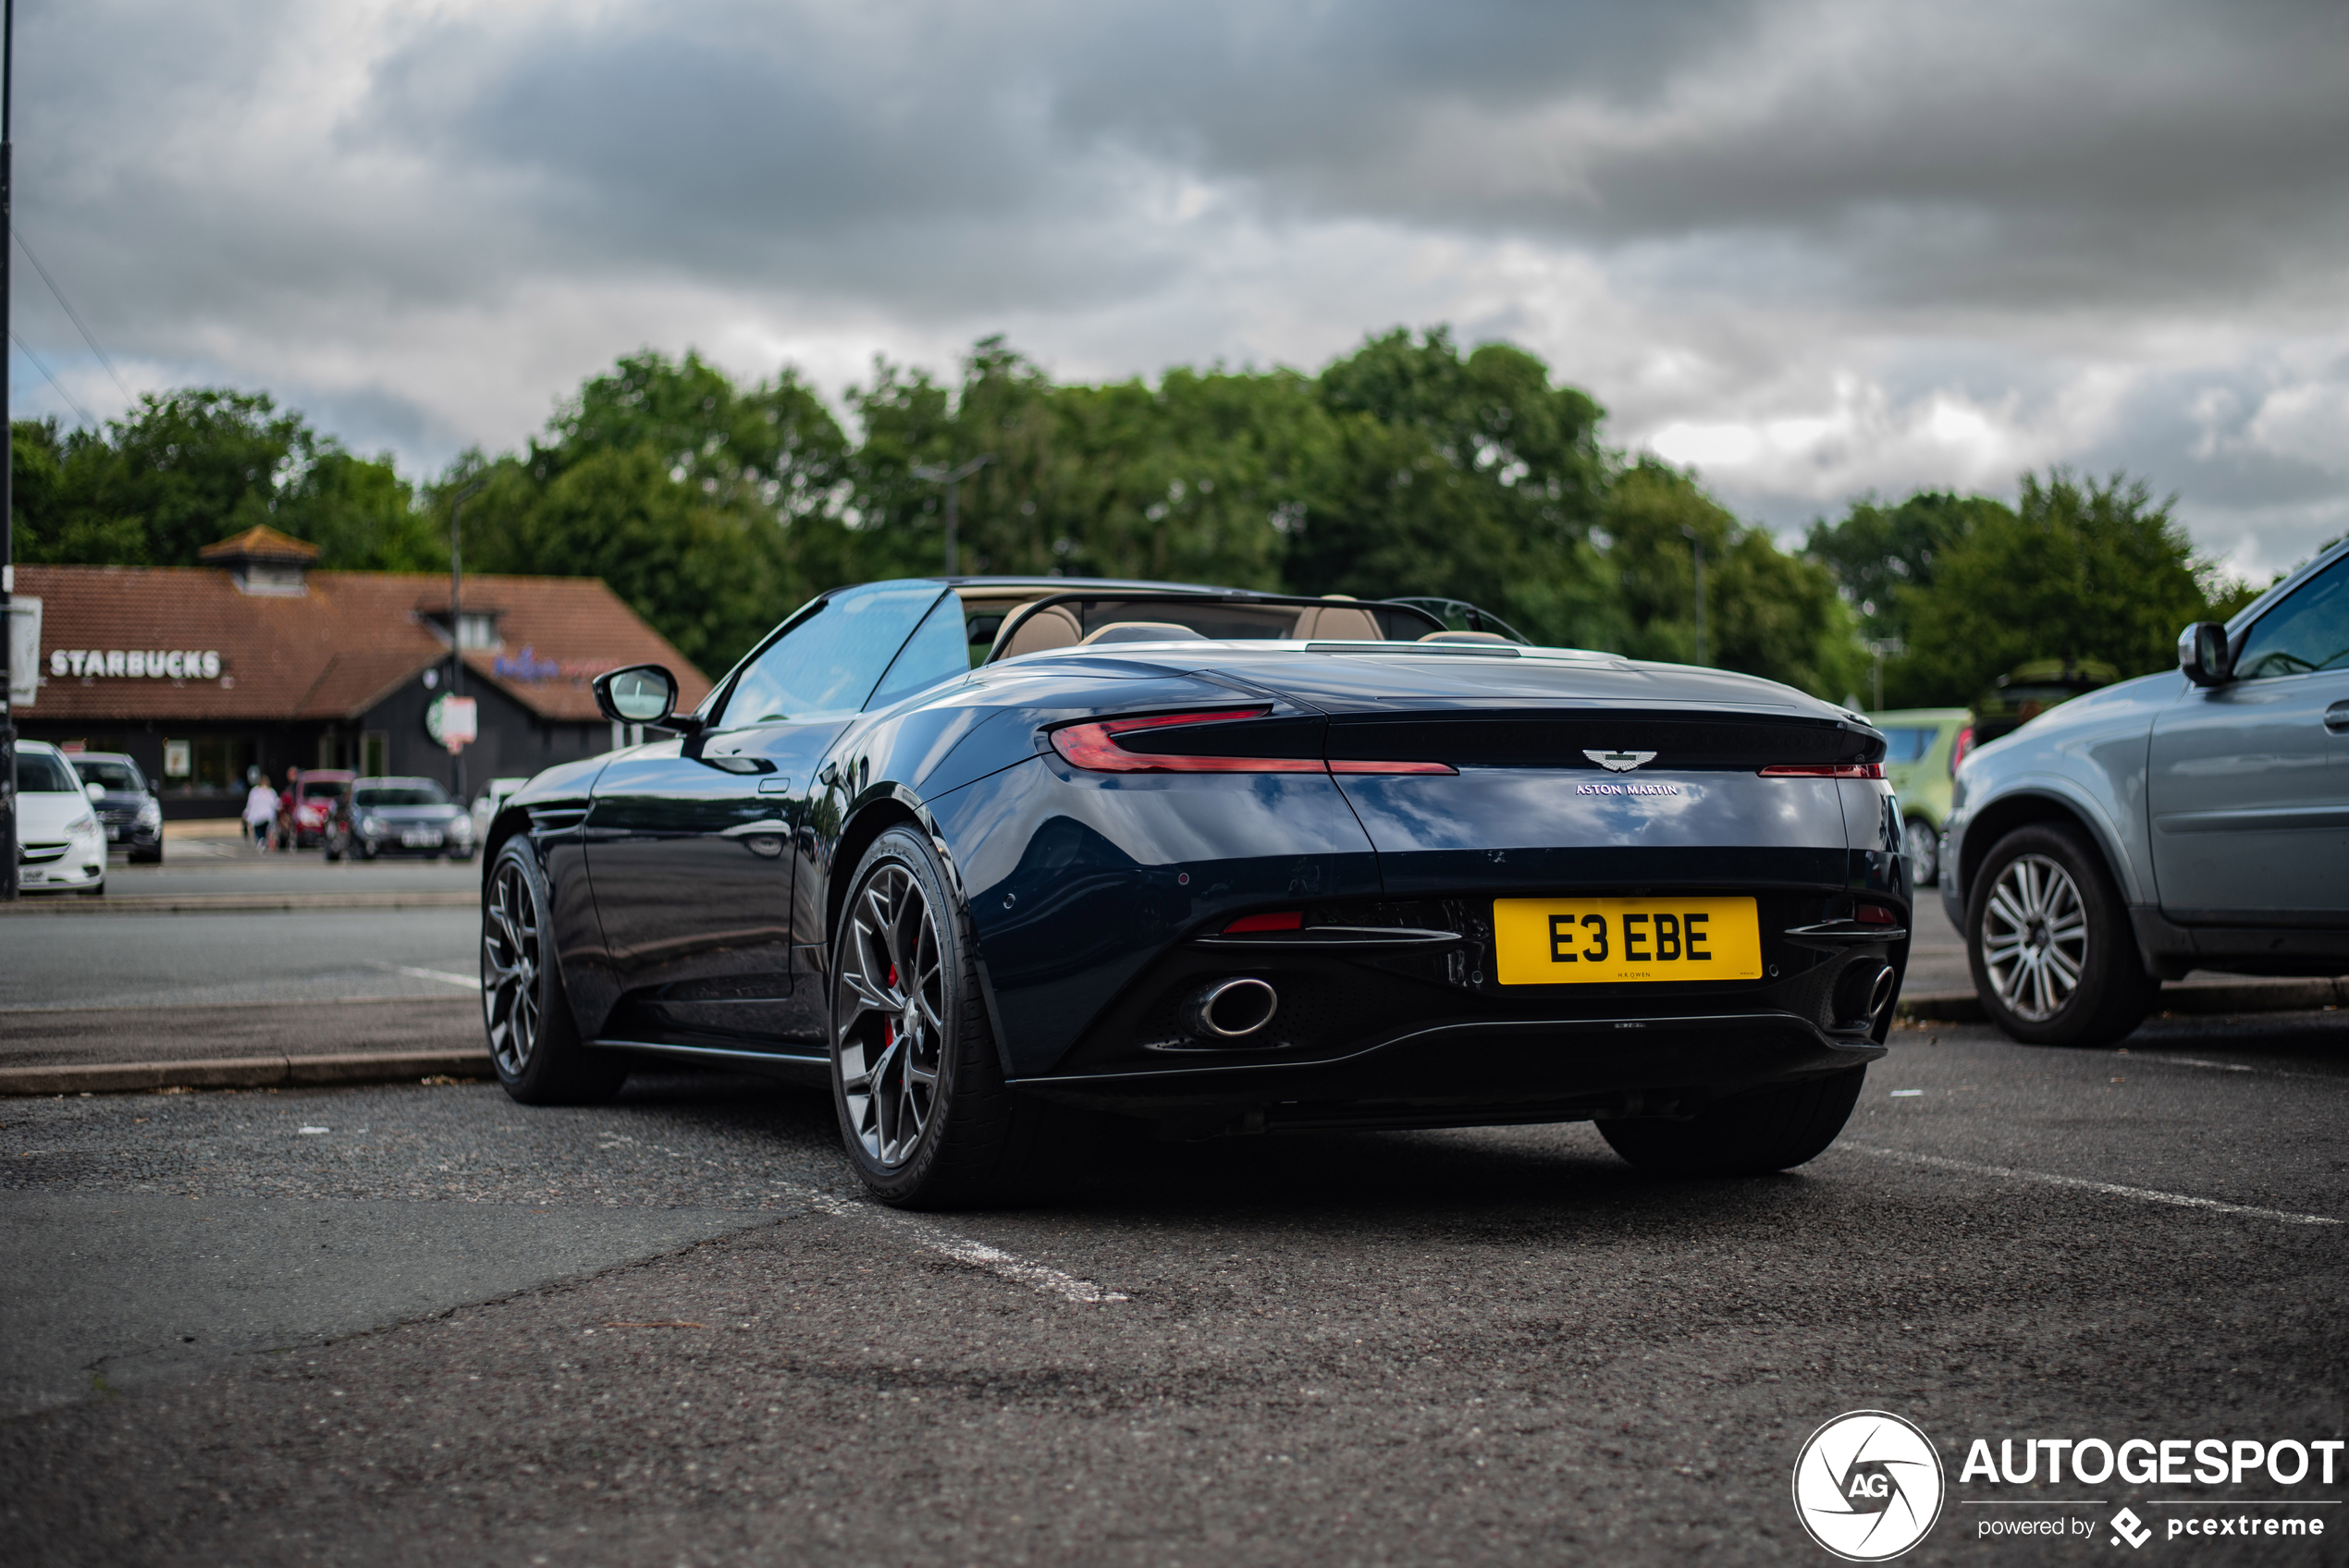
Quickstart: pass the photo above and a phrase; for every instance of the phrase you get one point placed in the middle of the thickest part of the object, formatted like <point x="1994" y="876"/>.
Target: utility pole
<point x="456" y="618"/>
<point x="1696" y="543"/>
<point x="953" y="479"/>
<point x="7" y="465"/>
<point x="1880" y="647"/>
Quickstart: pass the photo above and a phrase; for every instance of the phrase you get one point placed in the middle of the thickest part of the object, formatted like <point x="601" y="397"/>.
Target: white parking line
<point x="2227" y="1066"/>
<point x="469" y="982"/>
<point x="978" y="1255"/>
<point x="2110" y="1189"/>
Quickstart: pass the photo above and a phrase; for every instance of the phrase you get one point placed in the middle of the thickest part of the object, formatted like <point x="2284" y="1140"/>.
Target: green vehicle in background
<point x="1926" y="745"/>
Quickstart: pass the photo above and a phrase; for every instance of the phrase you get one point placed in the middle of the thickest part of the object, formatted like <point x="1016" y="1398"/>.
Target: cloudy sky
<point x="1811" y="247"/>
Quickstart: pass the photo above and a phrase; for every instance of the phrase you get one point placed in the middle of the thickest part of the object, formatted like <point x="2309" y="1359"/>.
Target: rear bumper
<point x="1481" y="1072"/>
<point x="1403" y="1027"/>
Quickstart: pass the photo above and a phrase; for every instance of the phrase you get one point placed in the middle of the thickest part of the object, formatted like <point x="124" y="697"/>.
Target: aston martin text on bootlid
<point x="1007" y="863"/>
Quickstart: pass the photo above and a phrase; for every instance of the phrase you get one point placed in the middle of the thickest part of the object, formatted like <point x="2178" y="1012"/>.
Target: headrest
<point x="1143" y="631"/>
<point x="1468" y="637"/>
<point x="1053" y="627"/>
<point x="1341" y="623"/>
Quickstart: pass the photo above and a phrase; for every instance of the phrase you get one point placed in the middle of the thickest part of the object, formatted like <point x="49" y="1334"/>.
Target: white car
<point x="488" y="803"/>
<point x="60" y="845"/>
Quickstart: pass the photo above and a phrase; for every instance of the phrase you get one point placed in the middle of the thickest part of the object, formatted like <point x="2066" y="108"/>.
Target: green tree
<point x="2078" y="569"/>
<point x="1766" y="612"/>
<point x="709" y="507"/>
<point x="1465" y="476"/>
<point x="187" y="468"/>
<point x="1876" y="550"/>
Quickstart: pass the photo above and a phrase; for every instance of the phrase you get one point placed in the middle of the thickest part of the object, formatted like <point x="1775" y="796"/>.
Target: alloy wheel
<point x="1924" y="852"/>
<point x="510" y="955"/>
<point x="2035" y="937"/>
<point x="891" y="1021"/>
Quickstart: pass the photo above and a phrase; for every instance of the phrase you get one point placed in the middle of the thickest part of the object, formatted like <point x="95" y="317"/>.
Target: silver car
<point x="2196" y="819"/>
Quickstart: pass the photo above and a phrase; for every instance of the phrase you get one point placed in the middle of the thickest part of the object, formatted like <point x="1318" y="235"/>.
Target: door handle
<point x="2337" y="718"/>
<point x="776" y="785"/>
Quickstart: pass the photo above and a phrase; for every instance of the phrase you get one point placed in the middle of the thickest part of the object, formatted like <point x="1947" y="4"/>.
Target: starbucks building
<point x="254" y="661"/>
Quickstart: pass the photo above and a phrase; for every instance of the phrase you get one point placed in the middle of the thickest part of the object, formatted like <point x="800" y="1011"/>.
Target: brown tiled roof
<point x="334" y="650"/>
<point x="262" y="542"/>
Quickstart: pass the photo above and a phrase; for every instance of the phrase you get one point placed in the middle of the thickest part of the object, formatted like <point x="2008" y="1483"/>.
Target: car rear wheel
<point x="1749" y="1134"/>
<point x="924" y="1112"/>
<point x="534" y="1041"/>
<point x="1924" y="852"/>
<point x="2054" y="960"/>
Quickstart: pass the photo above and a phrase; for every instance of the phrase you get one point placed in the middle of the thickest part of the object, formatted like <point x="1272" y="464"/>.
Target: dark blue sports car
<point x="1006" y="863"/>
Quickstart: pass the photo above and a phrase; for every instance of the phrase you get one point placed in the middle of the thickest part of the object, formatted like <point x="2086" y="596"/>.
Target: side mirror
<point x="642" y="693"/>
<point x="2204" y="655"/>
<point x="96" y="791"/>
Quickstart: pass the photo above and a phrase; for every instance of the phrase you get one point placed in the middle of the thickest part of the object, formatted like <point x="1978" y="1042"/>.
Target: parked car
<point x="1209" y="860"/>
<point x="126" y="808"/>
<point x="399" y="816"/>
<point x="312" y="803"/>
<point x="1920" y="759"/>
<point x="2029" y="689"/>
<point x="486" y="803"/>
<point x="2195" y="819"/>
<point x="60" y="846"/>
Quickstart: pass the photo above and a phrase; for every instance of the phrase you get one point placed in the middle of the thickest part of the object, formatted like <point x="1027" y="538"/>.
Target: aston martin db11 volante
<point x="1004" y="862"/>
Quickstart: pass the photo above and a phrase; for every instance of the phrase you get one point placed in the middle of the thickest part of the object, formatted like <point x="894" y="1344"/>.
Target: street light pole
<point x="953" y="479"/>
<point x="1696" y="543"/>
<point x="7" y="465"/>
<point x="456" y="618"/>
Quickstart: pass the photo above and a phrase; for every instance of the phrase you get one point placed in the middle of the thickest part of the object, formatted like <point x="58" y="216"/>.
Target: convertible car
<point x="1005" y="863"/>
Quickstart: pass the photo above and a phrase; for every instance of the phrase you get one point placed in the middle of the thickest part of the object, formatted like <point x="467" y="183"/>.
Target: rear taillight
<point x="1957" y="752"/>
<point x="1877" y="914"/>
<point x="1824" y="770"/>
<point x="1095" y="748"/>
<point x="1283" y="920"/>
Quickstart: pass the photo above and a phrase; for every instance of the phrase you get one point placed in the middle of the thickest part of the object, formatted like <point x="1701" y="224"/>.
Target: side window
<point x="936" y="651"/>
<point x="2308" y="631"/>
<point x="828" y="665"/>
<point x="1905" y="744"/>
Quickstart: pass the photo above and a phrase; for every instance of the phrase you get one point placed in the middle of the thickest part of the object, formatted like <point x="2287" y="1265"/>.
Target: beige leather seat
<point x="1142" y="632"/>
<point x="1338" y="623"/>
<point x="1054" y="626"/>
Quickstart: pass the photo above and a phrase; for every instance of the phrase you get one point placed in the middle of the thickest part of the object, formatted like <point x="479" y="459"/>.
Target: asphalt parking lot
<point x="410" y="1325"/>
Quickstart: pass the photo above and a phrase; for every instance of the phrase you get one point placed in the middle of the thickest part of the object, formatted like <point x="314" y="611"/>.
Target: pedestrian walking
<point x="261" y="812"/>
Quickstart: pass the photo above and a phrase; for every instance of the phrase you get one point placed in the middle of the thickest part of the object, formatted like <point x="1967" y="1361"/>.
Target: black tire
<point x="147" y="857"/>
<point x="2054" y="956"/>
<point x="905" y="1002"/>
<point x="534" y="1041"/>
<point x="1750" y="1134"/>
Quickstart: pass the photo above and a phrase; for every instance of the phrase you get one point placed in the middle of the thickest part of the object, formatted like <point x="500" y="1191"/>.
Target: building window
<point x="476" y="629"/>
<point x="211" y="764"/>
<point x="375" y="753"/>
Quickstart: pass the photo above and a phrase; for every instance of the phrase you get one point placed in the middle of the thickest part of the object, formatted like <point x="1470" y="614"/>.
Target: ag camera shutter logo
<point x="1868" y="1486"/>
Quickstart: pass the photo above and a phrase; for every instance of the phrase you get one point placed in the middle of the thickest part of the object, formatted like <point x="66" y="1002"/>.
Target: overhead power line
<point x="76" y="316"/>
<point x="87" y="417"/>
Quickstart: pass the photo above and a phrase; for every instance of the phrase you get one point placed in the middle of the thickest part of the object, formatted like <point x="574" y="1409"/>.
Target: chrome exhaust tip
<point x="1861" y="993"/>
<point x="1230" y="1009"/>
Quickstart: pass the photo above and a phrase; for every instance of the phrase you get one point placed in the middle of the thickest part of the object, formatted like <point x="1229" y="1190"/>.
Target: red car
<point x="312" y="803"/>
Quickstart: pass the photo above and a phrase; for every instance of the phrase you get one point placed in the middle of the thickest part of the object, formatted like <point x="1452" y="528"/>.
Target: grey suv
<point x="2197" y="819"/>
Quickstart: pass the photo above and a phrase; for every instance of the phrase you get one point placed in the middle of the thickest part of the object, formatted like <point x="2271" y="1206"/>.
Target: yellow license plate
<point x="1583" y="942"/>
